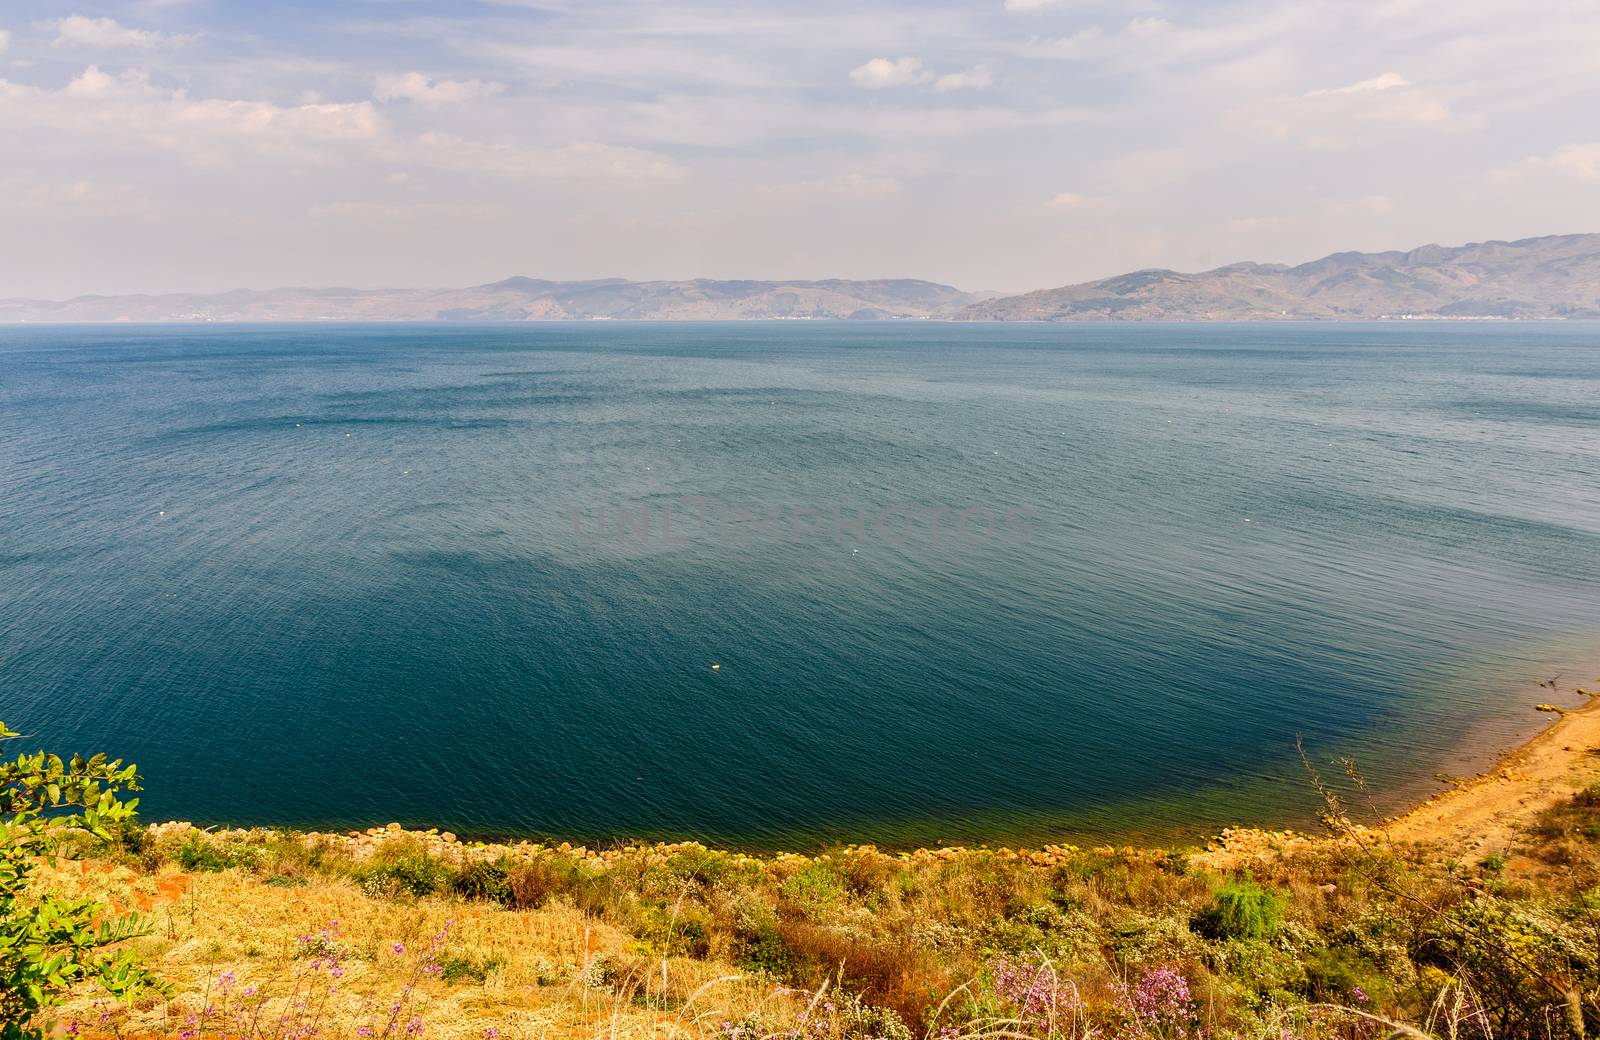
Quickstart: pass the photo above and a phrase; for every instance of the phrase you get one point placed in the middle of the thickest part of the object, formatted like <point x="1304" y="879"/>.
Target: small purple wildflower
<point x="1034" y="992"/>
<point x="1161" y="1004"/>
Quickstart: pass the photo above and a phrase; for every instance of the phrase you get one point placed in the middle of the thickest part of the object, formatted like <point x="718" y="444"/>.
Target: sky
<point x="204" y="145"/>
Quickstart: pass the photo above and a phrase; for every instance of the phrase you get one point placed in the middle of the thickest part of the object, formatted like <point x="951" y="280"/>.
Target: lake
<point x="791" y="583"/>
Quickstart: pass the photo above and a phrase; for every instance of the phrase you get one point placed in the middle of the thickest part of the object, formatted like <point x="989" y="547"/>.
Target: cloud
<point x="102" y="110"/>
<point x="1387" y="81"/>
<point x="1145" y="28"/>
<point x="414" y="86"/>
<point x="909" y="71"/>
<point x="1029" y="5"/>
<point x="1067" y="201"/>
<point x="107" y="34"/>
<point x="1372" y="205"/>
<point x="976" y="78"/>
<point x="1079" y="46"/>
<point x="848" y="186"/>
<point x="78" y="196"/>
<point x="1357" y="114"/>
<point x="5" y="40"/>
<point x="578" y="160"/>
<point x="890" y="72"/>
<point x="1570" y="160"/>
<point x="128" y="112"/>
<point x="1582" y="160"/>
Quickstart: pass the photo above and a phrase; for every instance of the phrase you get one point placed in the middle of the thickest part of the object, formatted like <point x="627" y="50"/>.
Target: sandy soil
<point x="1485" y="812"/>
<point x="1479" y="815"/>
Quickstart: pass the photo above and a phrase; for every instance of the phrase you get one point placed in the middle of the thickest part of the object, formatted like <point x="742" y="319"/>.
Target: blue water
<point x="962" y="582"/>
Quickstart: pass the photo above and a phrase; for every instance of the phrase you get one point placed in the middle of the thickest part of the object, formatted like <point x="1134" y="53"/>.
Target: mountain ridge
<point x="521" y="298"/>
<point x="1552" y="276"/>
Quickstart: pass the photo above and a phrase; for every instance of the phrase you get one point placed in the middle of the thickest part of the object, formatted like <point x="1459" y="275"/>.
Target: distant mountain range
<point x="525" y="299"/>
<point x="1553" y="277"/>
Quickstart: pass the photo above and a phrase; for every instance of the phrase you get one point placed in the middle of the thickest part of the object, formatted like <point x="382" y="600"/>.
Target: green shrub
<point x="765" y="951"/>
<point x="454" y="969"/>
<point x="814" y="890"/>
<point x="1242" y="910"/>
<point x="672" y="931"/>
<point x="1336" y="975"/>
<point x="206" y="855"/>
<point x="411" y="874"/>
<point x="49" y="945"/>
<point x="485" y="881"/>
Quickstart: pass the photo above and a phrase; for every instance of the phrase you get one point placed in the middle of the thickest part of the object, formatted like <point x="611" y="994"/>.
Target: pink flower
<point x="1034" y="992"/>
<point x="1161" y="1002"/>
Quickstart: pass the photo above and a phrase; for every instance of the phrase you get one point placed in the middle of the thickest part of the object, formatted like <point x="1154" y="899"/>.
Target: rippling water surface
<point x="962" y="582"/>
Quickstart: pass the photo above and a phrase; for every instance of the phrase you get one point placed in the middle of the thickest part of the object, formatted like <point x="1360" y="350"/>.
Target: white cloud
<point x="849" y="186"/>
<point x="1080" y="45"/>
<point x="1580" y="159"/>
<point x="1571" y="160"/>
<point x="976" y="78"/>
<point x="1353" y="115"/>
<point x="1372" y="205"/>
<point x="103" y="111"/>
<point x="107" y="34"/>
<point x="414" y="86"/>
<point x="1067" y="201"/>
<point x="1144" y="28"/>
<point x="1028" y="5"/>
<point x="1387" y="81"/>
<point x="5" y="40"/>
<point x="576" y="160"/>
<point x="128" y="112"/>
<point x="890" y="72"/>
<point x="80" y="195"/>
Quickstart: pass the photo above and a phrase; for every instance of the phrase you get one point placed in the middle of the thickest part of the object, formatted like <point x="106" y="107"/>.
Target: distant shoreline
<point x="1405" y="319"/>
<point x="1548" y="278"/>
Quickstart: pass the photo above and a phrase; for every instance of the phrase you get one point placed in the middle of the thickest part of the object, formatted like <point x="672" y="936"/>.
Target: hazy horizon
<point x="1012" y="290"/>
<point x="160" y="146"/>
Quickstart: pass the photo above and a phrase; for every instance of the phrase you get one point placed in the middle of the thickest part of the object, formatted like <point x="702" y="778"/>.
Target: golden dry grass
<point x="552" y="972"/>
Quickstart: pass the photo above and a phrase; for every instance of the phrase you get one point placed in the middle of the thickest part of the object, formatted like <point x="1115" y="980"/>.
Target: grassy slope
<point x="1477" y="930"/>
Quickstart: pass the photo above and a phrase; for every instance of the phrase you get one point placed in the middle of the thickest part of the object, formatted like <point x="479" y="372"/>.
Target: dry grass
<point x="551" y="972"/>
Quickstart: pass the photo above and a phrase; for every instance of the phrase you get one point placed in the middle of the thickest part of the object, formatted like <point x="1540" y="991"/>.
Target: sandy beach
<point x="1484" y="811"/>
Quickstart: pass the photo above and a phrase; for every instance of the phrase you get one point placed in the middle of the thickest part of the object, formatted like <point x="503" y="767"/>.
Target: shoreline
<point x="1555" y="763"/>
<point x="1481" y="812"/>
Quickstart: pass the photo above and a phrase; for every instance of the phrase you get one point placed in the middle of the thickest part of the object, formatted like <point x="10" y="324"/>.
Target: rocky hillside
<point x="523" y="299"/>
<point x="1552" y="277"/>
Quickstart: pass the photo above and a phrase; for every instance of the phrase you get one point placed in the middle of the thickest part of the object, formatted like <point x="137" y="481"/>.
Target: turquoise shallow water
<point x="963" y="582"/>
